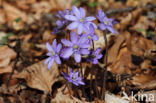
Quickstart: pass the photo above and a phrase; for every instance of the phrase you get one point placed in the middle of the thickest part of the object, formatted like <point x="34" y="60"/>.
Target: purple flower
<point x="53" y="53"/>
<point x="106" y="23"/>
<point x="75" y="46"/>
<point x="91" y="34"/>
<point x="94" y="56"/>
<point x="62" y="22"/>
<point x="73" y="78"/>
<point x="79" y="20"/>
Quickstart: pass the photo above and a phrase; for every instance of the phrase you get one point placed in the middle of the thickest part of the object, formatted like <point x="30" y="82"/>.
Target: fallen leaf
<point x="6" y="52"/>
<point x="2" y="17"/>
<point x="39" y="77"/>
<point x="5" y="62"/>
<point x="13" y="13"/>
<point x="65" y="98"/>
<point x="6" y="69"/>
<point x="40" y="7"/>
<point x="61" y="3"/>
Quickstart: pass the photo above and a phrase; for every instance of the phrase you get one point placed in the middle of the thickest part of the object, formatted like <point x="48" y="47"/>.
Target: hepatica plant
<point x="80" y="44"/>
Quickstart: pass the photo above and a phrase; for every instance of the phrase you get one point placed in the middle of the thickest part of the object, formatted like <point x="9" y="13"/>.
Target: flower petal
<point x="111" y="29"/>
<point x="59" y="46"/>
<point x="82" y="83"/>
<point x="47" y="60"/>
<point x="76" y="11"/>
<point x="57" y="59"/>
<point x="94" y="25"/>
<point x="80" y="28"/>
<point x="95" y="37"/>
<point x="66" y="42"/>
<point x="97" y="51"/>
<point x="66" y="53"/>
<point x="102" y="26"/>
<point x="73" y="37"/>
<point x="59" y="23"/>
<point x="95" y="61"/>
<point x="71" y="18"/>
<point x="76" y="74"/>
<point x="86" y="45"/>
<point x="90" y="18"/>
<point x="99" y="56"/>
<point x="82" y="12"/>
<point x="50" y="63"/>
<point x="49" y="47"/>
<point x="84" y="51"/>
<point x="73" y="25"/>
<point x="82" y="39"/>
<point x="77" y="57"/>
<point x="54" y="45"/>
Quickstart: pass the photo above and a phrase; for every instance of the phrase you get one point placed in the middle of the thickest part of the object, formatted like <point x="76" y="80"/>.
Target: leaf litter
<point x="131" y="59"/>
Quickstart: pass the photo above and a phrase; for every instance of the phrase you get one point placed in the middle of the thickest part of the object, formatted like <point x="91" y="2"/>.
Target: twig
<point x="128" y="9"/>
<point x="17" y="49"/>
<point x="105" y="70"/>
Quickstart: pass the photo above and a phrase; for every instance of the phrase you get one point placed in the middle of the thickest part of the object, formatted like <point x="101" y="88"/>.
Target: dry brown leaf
<point x="47" y="36"/>
<point x="5" y="62"/>
<point x="114" y="50"/>
<point x="13" y="13"/>
<point x="143" y="79"/>
<point x="2" y="17"/>
<point x="39" y="77"/>
<point x="6" y="52"/>
<point x="61" y="3"/>
<point x="143" y="23"/>
<point x="148" y="85"/>
<point x="65" y="98"/>
<point x="40" y="7"/>
<point x="6" y="69"/>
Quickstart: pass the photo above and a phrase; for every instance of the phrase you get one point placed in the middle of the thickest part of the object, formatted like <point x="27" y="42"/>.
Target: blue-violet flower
<point x="91" y="34"/>
<point x="76" y="46"/>
<point x="106" y="23"/>
<point x="73" y="78"/>
<point x="53" y="53"/>
<point x="94" y="56"/>
<point x="79" y="20"/>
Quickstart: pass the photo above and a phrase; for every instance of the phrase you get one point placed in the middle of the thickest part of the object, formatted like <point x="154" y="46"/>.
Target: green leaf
<point x="18" y="20"/>
<point x="1" y="27"/>
<point x="3" y="40"/>
<point x="75" y="2"/>
<point x="83" y="0"/>
<point x="92" y="4"/>
<point x="150" y="33"/>
<point x="32" y="45"/>
<point x="141" y="30"/>
<point x="10" y="34"/>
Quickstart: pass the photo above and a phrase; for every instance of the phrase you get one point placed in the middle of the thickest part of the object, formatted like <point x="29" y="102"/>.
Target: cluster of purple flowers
<point x="80" y="43"/>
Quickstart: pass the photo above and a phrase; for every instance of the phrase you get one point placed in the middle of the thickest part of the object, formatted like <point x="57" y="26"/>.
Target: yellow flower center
<point x="106" y="22"/>
<point x="73" y="78"/>
<point x="81" y="20"/>
<point x="89" y="37"/>
<point x="53" y="53"/>
<point x="75" y="46"/>
<point x="93" y="56"/>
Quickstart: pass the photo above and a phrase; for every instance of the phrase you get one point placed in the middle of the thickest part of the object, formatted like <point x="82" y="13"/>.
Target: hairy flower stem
<point x="83" y="90"/>
<point x="97" y="94"/>
<point x="81" y="70"/>
<point x="105" y="70"/>
<point x="91" y="79"/>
